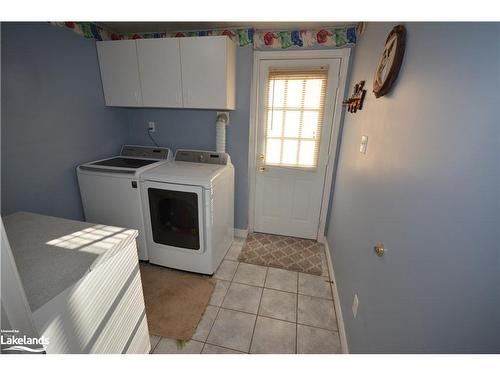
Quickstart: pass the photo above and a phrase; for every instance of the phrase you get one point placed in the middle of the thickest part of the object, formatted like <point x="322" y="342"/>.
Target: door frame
<point x="344" y="55"/>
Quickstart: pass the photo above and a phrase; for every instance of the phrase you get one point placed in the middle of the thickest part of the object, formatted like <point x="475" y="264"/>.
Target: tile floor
<point x="256" y="309"/>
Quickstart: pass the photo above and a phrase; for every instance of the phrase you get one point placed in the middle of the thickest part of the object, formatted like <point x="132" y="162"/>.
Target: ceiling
<point x="136" y="27"/>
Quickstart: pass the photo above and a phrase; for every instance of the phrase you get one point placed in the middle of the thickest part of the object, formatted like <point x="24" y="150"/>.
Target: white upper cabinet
<point x="160" y="72"/>
<point x="192" y="72"/>
<point x="208" y="72"/>
<point x="120" y="73"/>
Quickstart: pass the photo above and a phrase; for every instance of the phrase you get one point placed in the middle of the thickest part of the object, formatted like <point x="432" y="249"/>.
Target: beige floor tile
<point x="219" y="293"/>
<point x="214" y="349"/>
<point x="279" y="305"/>
<point x="316" y="286"/>
<point x="233" y="252"/>
<point x="205" y="324"/>
<point x="273" y="336"/>
<point x="316" y="312"/>
<point x="226" y="270"/>
<point x="153" y="340"/>
<point x="233" y="330"/>
<point x="250" y="274"/>
<point x="170" y="346"/>
<point x="281" y="280"/>
<point x="242" y="297"/>
<point x="317" y="341"/>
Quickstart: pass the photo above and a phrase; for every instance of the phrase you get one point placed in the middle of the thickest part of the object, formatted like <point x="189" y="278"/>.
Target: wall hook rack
<point x="355" y="102"/>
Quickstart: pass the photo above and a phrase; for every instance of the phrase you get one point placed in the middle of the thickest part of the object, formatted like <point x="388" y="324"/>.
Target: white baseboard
<point x="240" y="233"/>
<point x="336" y="299"/>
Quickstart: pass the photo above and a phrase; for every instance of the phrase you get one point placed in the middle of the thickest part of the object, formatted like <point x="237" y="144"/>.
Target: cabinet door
<point x="208" y="69"/>
<point x="120" y="73"/>
<point x="160" y="72"/>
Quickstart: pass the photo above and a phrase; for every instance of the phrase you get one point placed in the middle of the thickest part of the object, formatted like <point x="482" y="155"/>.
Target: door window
<point x="294" y="116"/>
<point x="174" y="218"/>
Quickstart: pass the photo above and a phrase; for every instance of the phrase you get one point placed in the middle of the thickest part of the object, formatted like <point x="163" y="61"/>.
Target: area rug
<point x="290" y="253"/>
<point x="175" y="301"/>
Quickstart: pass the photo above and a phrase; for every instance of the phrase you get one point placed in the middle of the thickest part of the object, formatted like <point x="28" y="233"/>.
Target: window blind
<point x="294" y="117"/>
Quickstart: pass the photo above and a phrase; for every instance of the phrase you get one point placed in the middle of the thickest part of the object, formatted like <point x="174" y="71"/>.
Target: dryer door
<point x="176" y="215"/>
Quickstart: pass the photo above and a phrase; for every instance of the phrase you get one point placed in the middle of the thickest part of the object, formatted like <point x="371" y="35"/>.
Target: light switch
<point x="364" y="144"/>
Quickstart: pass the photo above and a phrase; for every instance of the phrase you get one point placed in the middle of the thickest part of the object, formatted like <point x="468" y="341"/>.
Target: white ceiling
<point x="135" y="27"/>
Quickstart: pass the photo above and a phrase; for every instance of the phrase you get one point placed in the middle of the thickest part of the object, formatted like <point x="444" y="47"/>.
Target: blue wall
<point x="429" y="188"/>
<point x="180" y="128"/>
<point x="53" y="118"/>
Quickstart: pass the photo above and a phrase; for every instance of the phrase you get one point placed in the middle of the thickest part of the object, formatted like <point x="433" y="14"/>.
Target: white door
<point x="120" y="73"/>
<point x="160" y="72"/>
<point x="295" y="107"/>
<point x="208" y="72"/>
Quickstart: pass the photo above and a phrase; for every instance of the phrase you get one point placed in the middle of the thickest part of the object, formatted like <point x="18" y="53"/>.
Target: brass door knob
<point x="262" y="169"/>
<point x="379" y="249"/>
<point x="261" y="156"/>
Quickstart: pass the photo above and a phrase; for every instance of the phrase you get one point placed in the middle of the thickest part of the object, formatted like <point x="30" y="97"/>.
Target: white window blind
<point x="294" y="117"/>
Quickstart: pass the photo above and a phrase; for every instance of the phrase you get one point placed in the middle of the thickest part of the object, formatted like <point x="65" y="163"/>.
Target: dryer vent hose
<point x="220" y="125"/>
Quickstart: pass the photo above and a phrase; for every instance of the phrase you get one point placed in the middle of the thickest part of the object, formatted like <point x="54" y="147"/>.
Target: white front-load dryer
<point x="188" y="208"/>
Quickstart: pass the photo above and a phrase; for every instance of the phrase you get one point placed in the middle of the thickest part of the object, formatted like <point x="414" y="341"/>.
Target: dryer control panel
<point x="204" y="157"/>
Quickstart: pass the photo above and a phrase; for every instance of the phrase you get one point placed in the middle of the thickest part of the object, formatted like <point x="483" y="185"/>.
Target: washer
<point x="189" y="210"/>
<point x="110" y="191"/>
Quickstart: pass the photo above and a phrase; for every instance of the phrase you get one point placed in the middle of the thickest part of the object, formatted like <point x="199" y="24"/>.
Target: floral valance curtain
<point x="337" y="37"/>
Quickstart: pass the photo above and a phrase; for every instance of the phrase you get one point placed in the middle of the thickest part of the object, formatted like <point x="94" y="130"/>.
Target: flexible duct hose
<point x="220" y="139"/>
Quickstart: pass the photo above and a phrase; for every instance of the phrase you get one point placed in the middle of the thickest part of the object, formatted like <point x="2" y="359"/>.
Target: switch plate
<point x="151" y="126"/>
<point x="355" y="304"/>
<point x="364" y="144"/>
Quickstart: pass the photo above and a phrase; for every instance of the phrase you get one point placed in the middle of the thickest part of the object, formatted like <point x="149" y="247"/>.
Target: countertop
<point x="52" y="253"/>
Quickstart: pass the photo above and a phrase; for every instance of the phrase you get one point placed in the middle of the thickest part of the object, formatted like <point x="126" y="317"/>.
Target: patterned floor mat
<point x="290" y="253"/>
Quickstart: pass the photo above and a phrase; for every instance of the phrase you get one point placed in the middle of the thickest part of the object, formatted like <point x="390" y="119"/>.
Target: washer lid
<point x="185" y="173"/>
<point x="132" y="161"/>
<point x="121" y="162"/>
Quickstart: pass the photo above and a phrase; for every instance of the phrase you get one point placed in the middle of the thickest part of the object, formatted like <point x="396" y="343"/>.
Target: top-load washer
<point x="110" y="188"/>
<point x="189" y="210"/>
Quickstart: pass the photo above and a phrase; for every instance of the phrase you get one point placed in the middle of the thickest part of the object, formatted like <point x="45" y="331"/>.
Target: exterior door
<point x="295" y="107"/>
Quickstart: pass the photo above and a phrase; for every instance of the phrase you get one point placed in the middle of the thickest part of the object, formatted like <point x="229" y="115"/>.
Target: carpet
<point x="289" y="253"/>
<point x="175" y="300"/>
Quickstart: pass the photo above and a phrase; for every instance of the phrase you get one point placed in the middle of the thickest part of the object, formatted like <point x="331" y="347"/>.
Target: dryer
<point x="188" y="207"/>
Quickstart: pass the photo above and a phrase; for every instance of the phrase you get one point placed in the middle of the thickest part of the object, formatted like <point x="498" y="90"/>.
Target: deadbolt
<point x="262" y="169"/>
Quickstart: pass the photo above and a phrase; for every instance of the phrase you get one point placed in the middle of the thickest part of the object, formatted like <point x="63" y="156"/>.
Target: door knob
<point x="262" y="169"/>
<point x="261" y="156"/>
<point x="379" y="249"/>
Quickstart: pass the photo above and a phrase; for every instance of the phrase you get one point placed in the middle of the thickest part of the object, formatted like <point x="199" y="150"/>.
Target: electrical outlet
<point x="151" y="126"/>
<point x="355" y="304"/>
